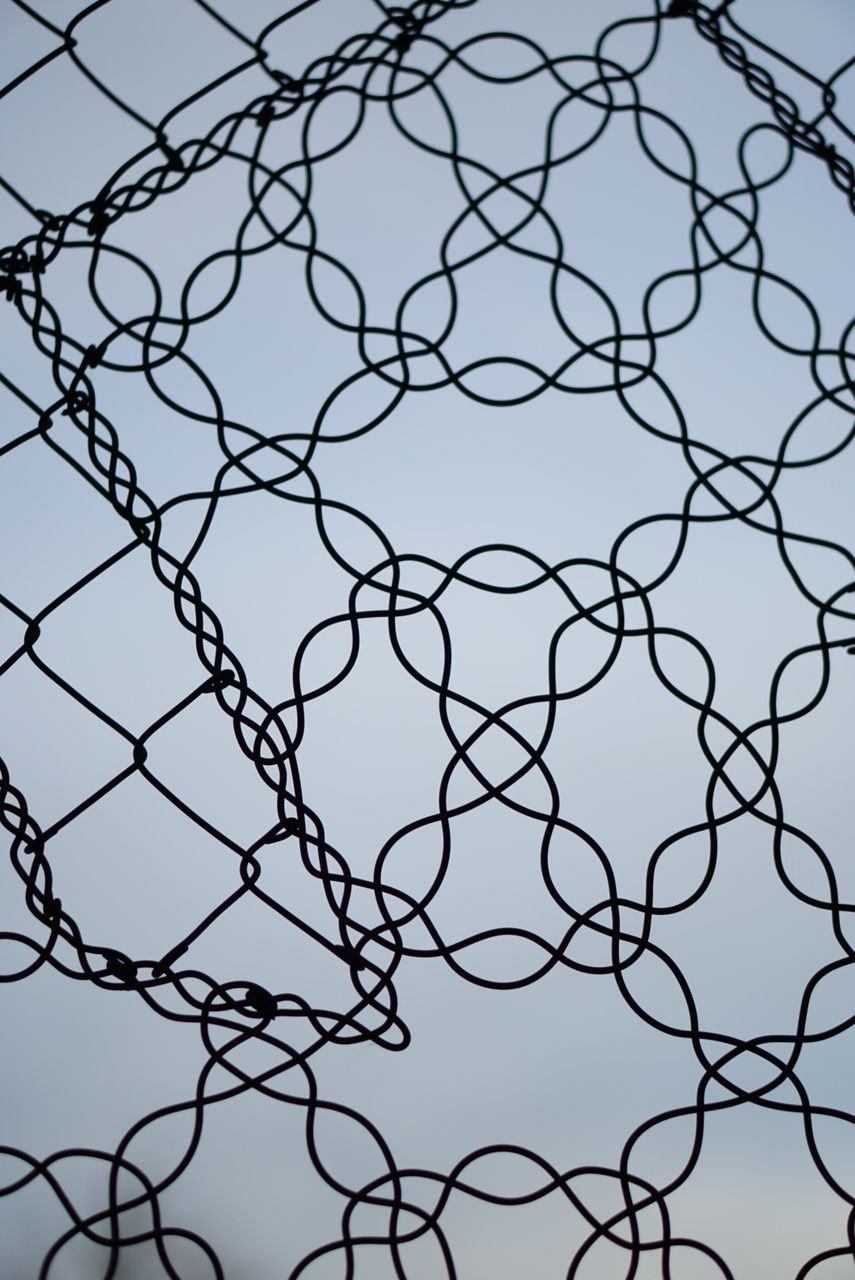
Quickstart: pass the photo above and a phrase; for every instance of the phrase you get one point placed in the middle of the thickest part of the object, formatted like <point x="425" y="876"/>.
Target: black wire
<point x="382" y="66"/>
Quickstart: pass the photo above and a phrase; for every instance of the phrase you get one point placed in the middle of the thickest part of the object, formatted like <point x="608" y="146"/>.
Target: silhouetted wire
<point x="383" y="66"/>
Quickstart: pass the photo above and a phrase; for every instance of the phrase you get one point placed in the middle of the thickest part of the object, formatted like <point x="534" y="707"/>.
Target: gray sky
<point x="562" y="1067"/>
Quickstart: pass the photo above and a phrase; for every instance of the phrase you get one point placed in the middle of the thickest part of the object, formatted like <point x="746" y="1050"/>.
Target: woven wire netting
<point x="125" y="671"/>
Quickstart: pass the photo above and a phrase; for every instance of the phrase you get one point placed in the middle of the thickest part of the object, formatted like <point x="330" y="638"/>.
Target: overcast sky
<point x="561" y="1066"/>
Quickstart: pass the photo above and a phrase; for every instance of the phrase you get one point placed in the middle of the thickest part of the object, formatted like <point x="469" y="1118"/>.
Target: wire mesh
<point x="360" y="913"/>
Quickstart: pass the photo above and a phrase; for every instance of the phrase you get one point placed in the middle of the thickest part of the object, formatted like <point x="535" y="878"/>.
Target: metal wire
<point x="403" y="56"/>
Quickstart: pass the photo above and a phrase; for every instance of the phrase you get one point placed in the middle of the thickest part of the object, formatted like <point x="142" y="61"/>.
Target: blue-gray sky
<point x="562" y="1066"/>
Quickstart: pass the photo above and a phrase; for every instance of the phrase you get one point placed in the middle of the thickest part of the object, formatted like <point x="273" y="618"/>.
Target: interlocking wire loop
<point x="373" y="926"/>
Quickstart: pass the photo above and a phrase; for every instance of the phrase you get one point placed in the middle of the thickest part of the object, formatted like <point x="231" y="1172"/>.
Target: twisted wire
<point x="374" y="925"/>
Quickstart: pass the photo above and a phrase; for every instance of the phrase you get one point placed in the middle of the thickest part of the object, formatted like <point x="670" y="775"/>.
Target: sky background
<point x="561" y="1066"/>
